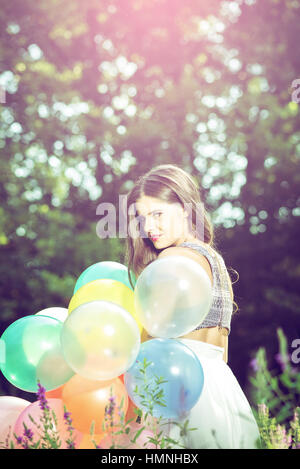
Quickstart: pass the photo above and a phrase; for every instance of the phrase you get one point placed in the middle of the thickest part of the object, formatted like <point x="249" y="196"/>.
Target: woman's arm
<point x="225" y="356"/>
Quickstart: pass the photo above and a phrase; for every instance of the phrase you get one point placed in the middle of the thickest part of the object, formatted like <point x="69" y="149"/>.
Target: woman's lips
<point x="155" y="237"/>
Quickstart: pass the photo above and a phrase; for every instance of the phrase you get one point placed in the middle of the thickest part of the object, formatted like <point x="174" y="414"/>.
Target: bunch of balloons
<point x="83" y="353"/>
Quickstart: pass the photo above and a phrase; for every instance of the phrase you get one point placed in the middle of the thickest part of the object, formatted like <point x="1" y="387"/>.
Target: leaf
<point x="285" y="379"/>
<point x="153" y="440"/>
<point x="138" y="412"/>
<point x="138" y="434"/>
<point x="274" y="383"/>
<point x="129" y="421"/>
<point x="37" y="444"/>
<point x="92" y="428"/>
<point x="161" y="404"/>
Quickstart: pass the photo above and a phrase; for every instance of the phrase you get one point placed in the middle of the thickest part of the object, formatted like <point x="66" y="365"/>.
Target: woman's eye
<point x="157" y="214"/>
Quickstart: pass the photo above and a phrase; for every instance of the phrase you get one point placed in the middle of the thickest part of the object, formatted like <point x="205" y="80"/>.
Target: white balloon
<point x="172" y="296"/>
<point x="10" y="409"/>
<point x="55" y="312"/>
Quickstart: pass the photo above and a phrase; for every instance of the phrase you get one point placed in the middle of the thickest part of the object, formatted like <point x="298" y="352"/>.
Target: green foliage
<point x="277" y="398"/>
<point x="151" y="396"/>
<point x="43" y="434"/>
<point x="278" y="392"/>
<point x="276" y="436"/>
<point x="49" y="438"/>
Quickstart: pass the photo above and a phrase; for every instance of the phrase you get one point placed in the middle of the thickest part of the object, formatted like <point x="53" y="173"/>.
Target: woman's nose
<point x="150" y="225"/>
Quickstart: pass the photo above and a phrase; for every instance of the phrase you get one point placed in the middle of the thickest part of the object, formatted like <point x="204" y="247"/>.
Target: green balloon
<point x="105" y="269"/>
<point x="31" y="351"/>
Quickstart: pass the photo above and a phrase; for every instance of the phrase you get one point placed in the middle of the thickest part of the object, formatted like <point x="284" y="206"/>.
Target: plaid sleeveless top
<point x="221" y="309"/>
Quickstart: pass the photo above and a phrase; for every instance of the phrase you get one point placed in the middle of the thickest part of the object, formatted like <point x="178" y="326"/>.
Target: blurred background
<point x="93" y="94"/>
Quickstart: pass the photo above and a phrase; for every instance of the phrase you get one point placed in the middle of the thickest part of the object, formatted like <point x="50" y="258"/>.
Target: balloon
<point x="122" y="441"/>
<point x="100" y="340"/>
<point x="130" y="411"/>
<point x="55" y="393"/>
<point x="10" y="409"/>
<point x="34" y="410"/>
<point x="175" y="363"/>
<point x="172" y="296"/>
<point x="87" y="443"/>
<point x="32" y="352"/>
<point x="55" y="312"/>
<point x="131" y="406"/>
<point x="86" y="400"/>
<point x="105" y="270"/>
<point x="106" y="290"/>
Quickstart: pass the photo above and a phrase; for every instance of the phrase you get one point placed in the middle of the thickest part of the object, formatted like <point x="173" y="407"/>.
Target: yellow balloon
<point x="108" y="290"/>
<point x="100" y="340"/>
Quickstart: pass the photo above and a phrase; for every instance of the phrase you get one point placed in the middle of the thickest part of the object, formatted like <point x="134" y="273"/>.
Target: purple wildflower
<point x="68" y="420"/>
<point x="283" y="360"/>
<point x="41" y="395"/>
<point x="28" y="433"/>
<point x="71" y="445"/>
<point x="254" y="364"/>
<point x="19" y="440"/>
<point x="263" y="410"/>
<point x="296" y="415"/>
<point x="109" y="409"/>
<point x="286" y="439"/>
<point x="25" y="444"/>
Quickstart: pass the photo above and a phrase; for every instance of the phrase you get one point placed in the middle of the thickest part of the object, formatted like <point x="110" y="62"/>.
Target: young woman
<point x="173" y="220"/>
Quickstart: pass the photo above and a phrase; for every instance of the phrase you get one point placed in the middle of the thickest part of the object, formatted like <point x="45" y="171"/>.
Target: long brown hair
<point x="171" y="184"/>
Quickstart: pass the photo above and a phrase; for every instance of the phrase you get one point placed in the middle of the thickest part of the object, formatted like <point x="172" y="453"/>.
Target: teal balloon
<point x="105" y="269"/>
<point x="31" y="351"/>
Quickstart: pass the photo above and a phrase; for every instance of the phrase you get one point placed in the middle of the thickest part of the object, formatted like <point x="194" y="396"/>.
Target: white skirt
<point x="222" y="415"/>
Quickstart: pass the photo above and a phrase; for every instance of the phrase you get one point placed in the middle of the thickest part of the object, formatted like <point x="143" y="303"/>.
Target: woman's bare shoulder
<point x="191" y="254"/>
<point x="178" y="251"/>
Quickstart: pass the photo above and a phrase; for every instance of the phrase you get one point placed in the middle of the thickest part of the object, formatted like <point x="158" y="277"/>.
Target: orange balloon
<point x="130" y="412"/>
<point x="55" y="393"/>
<point x="131" y="406"/>
<point x="87" y="399"/>
<point x="87" y="443"/>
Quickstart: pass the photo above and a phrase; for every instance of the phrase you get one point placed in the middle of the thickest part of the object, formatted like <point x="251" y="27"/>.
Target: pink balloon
<point x="36" y="413"/>
<point x="10" y="409"/>
<point x="124" y="440"/>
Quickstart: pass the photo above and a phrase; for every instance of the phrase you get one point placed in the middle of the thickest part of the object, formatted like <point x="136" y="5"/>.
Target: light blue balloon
<point x="178" y="365"/>
<point x="105" y="269"/>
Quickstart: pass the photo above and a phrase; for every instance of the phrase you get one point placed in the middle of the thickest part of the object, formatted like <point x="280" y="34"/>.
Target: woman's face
<point x="167" y="221"/>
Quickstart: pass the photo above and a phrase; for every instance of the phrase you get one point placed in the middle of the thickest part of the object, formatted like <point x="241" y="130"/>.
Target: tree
<point x="97" y="93"/>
